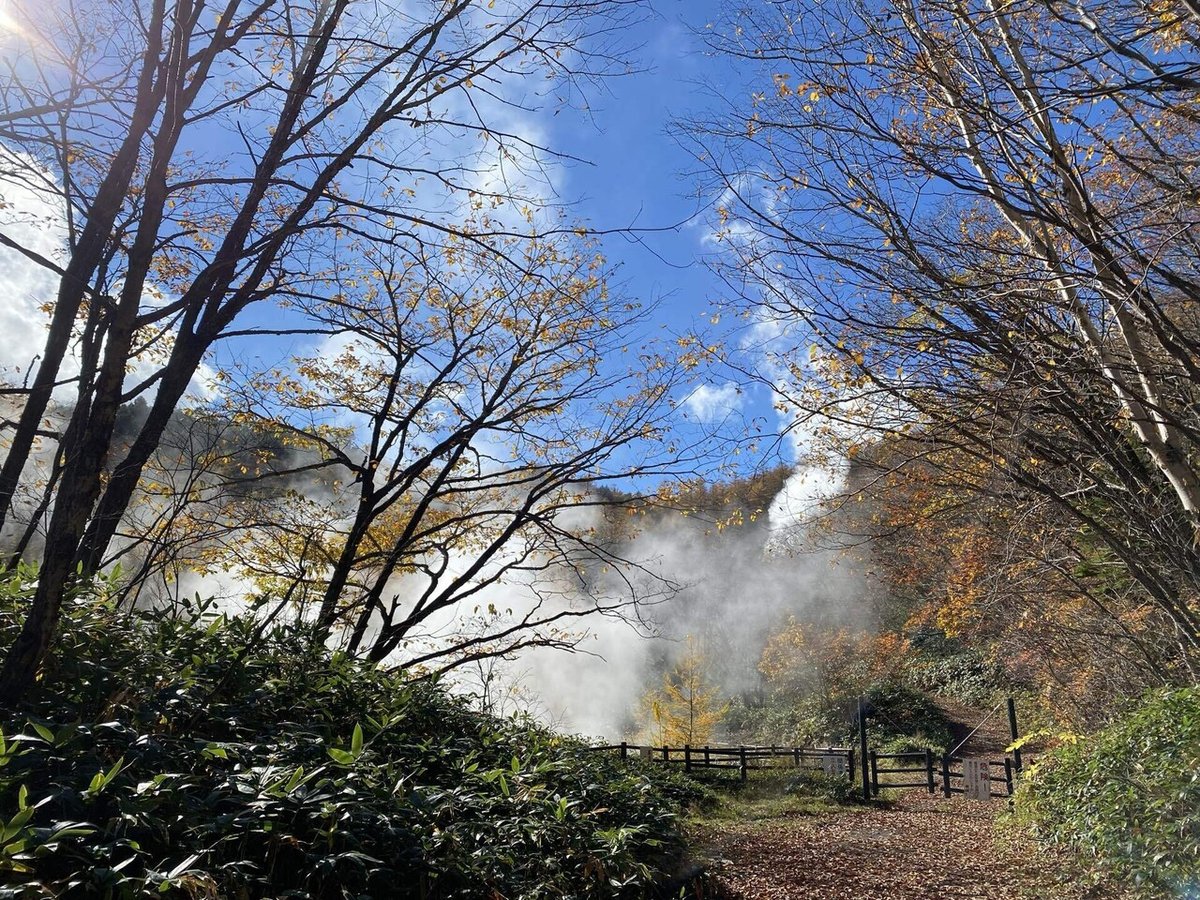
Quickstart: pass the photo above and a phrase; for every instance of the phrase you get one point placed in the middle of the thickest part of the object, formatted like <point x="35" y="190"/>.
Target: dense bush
<point x="903" y="719"/>
<point x="195" y="756"/>
<point x="939" y="664"/>
<point x="1127" y="799"/>
<point x="965" y="677"/>
<point x="784" y="718"/>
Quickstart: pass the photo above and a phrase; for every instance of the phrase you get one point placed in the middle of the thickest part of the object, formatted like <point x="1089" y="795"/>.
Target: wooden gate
<point x="974" y="777"/>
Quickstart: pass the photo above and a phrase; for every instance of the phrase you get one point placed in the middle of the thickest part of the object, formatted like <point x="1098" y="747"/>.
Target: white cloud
<point x="713" y="404"/>
<point x="730" y="229"/>
<point x="31" y="216"/>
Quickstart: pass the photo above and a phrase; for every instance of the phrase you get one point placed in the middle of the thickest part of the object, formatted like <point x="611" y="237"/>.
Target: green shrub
<point x="1127" y="799"/>
<point x="190" y="755"/>
<point x="944" y="665"/>
<point x="905" y="719"/>
<point x="785" y="719"/>
<point x="965" y="677"/>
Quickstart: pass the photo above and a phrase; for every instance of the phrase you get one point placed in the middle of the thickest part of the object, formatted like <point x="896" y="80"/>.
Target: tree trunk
<point x="340" y="576"/>
<point x="121" y="485"/>
<point x="85" y="259"/>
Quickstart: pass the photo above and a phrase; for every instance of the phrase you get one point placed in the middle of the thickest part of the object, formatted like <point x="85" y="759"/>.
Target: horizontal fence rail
<point x="952" y="771"/>
<point x="834" y="761"/>
<point x="977" y="778"/>
<point x="917" y="765"/>
<point x="998" y="772"/>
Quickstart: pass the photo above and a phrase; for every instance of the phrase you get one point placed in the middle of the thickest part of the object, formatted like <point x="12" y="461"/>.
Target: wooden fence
<point x="836" y="761"/>
<point x="974" y="777"/>
<point x="910" y="765"/>
<point x="961" y="781"/>
<point x="978" y="778"/>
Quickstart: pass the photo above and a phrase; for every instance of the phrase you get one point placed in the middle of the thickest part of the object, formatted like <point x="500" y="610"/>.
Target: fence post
<point x="706" y="759"/>
<point x="624" y="750"/>
<point x="666" y="754"/>
<point x="1012" y="727"/>
<point x="1008" y="775"/>
<point x="874" y="773"/>
<point x="862" y="747"/>
<point x="796" y="754"/>
<point x="742" y="759"/>
<point x="946" y="774"/>
<point x="687" y="757"/>
<point x="929" y="769"/>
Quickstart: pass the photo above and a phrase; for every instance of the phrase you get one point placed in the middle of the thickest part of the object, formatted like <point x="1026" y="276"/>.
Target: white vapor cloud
<point x="32" y="217"/>
<point x="709" y="403"/>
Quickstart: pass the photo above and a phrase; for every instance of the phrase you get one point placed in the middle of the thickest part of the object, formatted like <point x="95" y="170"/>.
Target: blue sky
<point x="633" y="174"/>
<point x="624" y="170"/>
<point x="639" y="176"/>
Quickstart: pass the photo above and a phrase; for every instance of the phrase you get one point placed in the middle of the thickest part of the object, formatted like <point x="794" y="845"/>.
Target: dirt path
<point x="923" y="848"/>
<point x="975" y="732"/>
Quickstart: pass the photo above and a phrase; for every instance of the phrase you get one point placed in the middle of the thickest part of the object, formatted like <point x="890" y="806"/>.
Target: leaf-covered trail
<point x="923" y="848"/>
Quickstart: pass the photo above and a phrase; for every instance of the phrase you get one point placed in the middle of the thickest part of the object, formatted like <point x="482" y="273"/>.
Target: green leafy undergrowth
<point x="902" y="719"/>
<point x="905" y="720"/>
<point x="938" y="664"/>
<point x="1126" y="800"/>
<point x="191" y="755"/>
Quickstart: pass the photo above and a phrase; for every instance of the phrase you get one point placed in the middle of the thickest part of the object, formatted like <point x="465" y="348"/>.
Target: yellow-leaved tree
<point x="1033" y="326"/>
<point x="686" y="708"/>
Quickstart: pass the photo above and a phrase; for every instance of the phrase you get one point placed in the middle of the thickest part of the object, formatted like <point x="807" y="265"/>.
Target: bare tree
<point x="976" y="222"/>
<point x="206" y="157"/>
<point x="483" y="415"/>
